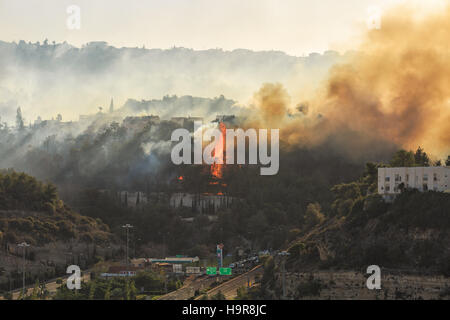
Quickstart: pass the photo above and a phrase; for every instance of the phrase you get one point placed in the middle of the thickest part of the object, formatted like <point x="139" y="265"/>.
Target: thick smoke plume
<point x="397" y="89"/>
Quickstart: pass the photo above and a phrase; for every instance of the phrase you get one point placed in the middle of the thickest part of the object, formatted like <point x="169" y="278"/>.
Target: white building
<point x="392" y="180"/>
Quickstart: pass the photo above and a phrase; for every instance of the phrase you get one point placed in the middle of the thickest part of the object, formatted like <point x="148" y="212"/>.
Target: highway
<point x="188" y="289"/>
<point x="186" y="292"/>
<point x="50" y="285"/>
<point x="229" y="288"/>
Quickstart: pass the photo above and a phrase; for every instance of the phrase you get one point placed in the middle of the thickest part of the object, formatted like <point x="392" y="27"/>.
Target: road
<point x="192" y="284"/>
<point x="188" y="289"/>
<point x="229" y="288"/>
<point x="50" y="285"/>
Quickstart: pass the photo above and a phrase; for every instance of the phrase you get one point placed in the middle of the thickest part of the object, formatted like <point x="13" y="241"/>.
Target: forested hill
<point x="31" y="211"/>
<point x="412" y="233"/>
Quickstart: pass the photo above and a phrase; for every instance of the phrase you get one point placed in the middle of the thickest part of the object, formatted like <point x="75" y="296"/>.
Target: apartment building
<point x="392" y="180"/>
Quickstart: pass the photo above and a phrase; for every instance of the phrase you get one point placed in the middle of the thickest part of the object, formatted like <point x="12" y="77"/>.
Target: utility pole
<point x="127" y="227"/>
<point x="24" y="246"/>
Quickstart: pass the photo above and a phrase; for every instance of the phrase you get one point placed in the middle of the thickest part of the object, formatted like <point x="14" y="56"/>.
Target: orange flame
<point x="217" y="168"/>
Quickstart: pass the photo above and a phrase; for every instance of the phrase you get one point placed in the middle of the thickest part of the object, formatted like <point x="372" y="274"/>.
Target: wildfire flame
<point x="217" y="168"/>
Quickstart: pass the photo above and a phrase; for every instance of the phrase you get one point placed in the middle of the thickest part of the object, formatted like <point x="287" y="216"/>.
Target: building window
<point x="425" y="177"/>
<point x="434" y="177"/>
<point x="388" y="188"/>
<point x="387" y="179"/>
<point x="425" y="187"/>
<point x="407" y="177"/>
<point x="398" y="177"/>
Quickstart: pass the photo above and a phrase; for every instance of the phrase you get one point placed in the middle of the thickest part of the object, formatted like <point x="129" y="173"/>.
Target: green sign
<point x="225" y="271"/>
<point x="211" y="271"/>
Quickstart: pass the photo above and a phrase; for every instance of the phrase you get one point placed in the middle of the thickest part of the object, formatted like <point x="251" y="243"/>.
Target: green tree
<point x="421" y="158"/>
<point x="92" y="290"/>
<point x="117" y="293"/>
<point x="218" y="296"/>
<point x="132" y="291"/>
<point x="313" y="215"/>
<point x="345" y="196"/>
<point x="242" y="294"/>
<point x="35" y="293"/>
<point x="127" y="290"/>
<point x="108" y="291"/>
<point x="21" y="295"/>
<point x="403" y="158"/>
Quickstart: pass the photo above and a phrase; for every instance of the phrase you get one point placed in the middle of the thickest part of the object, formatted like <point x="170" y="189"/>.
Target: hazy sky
<point x="294" y="26"/>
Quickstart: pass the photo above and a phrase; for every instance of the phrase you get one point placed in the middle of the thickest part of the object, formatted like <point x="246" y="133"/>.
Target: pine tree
<point x="421" y="158"/>
<point x="127" y="290"/>
<point x="21" y="295"/>
<point x="108" y="291"/>
<point x="35" y="293"/>
<point x="92" y="291"/>
<point x="133" y="291"/>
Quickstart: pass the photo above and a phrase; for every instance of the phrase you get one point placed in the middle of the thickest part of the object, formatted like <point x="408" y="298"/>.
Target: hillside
<point x="31" y="211"/>
<point x="408" y="239"/>
<point x="361" y="229"/>
<point x="412" y="234"/>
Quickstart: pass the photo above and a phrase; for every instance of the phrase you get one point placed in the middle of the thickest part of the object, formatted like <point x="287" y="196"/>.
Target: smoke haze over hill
<point x="46" y="79"/>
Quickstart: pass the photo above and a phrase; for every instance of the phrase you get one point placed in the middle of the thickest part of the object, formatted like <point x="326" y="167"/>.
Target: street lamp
<point x="24" y="246"/>
<point x="127" y="226"/>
